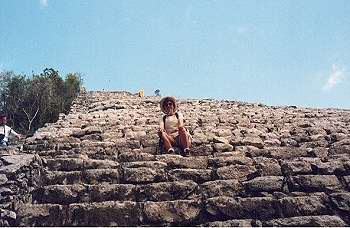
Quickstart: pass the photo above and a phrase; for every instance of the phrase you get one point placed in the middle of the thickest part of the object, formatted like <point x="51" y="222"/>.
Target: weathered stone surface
<point x="233" y="223"/>
<point x="3" y="179"/>
<point x="202" y="150"/>
<point x="299" y="166"/>
<point x="287" y="152"/>
<point x="112" y="192"/>
<point x="325" y="220"/>
<point x="196" y="175"/>
<point x="131" y="156"/>
<point x="109" y="213"/>
<point x="229" y="188"/>
<point x="177" y="161"/>
<point x="347" y="181"/>
<point x="105" y="168"/>
<point x="65" y="164"/>
<point x="304" y="205"/>
<point x="96" y="176"/>
<point x="59" y="177"/>
<point x="167" y="191"/>
<point x="315" y="183"/>
<point x="41" y="215"/>
<point x="143" y="174"/>
<point x="264" y="184"/>
<point x="267" y="166"/>
<point x="59" y="194"/>
<point x="179" y="212"/>
<point x="15" y="162"/>
<point x="339" y="149"/>
<point x="222" y="147"/>
<point x="341" y="201"/>
<point x="241" y="172"/>
<point x="257" y="208"/>
<point x="230" y="160"/>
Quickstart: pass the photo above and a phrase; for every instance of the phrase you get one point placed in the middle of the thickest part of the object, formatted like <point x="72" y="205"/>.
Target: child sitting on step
<point x="171" y="127"/>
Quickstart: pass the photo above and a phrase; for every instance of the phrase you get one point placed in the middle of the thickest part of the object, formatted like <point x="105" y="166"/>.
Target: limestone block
<point x="3" y="179"/>
<point x="40" y="215"/>
<point x="341" y="201"/>
<point x="227" y="188"/>
<point x="60" y="194"/>
<point x="165" y="191"/>
<point x="13" y="163"/>
<point x="108" y="213"/>
<point x="330" y="167"/>
<point x="320" y="221"/>
<point x="305" y="205"/>
<point x="221" y="140"/>
<point x="315" y="183"/>
<point x="267" y="166"/>
<point x="135" y="156"/>
<point x="234" y="223"/>
<point x="111" y="192"/>
<point x="287" y="152"/>
<point x="222" y="147"/>
<point x="149" y="142"/>
<point x="59" y="177"/>
<point x="92" y="130"/>
<point x="339" y="149"/>
<point x="347" y="181"/>
<point x="65" y="164"/>
<point x="143" y="174"/>
<point x="196" y="175"/>
<point x="289" y="142"/>
<point x="142" y="164"/>
<point x="179" y="212"/>
<point x="299" y="166"/>
<point x="224" y="132"/>
<point x="272" y="142"/>
<point x="201" y="150"/>
<point x="230" y="160"/>
<point x="319" y="152"/>
<point x="239" y="208"/>
<point x="96" y="176"/>
<point x="252" y="141"/>
<point x="264" y="184"/>
<point x="240" y="172"/>
<point x="177" y="161"/>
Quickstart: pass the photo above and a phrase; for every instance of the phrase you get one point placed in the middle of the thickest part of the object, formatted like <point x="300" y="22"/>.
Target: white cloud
<point x="337" y="76"/>
<point x="44" y="3"/>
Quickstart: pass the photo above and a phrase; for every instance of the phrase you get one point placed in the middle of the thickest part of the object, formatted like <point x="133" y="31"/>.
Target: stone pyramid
<point x="250" y="165"/>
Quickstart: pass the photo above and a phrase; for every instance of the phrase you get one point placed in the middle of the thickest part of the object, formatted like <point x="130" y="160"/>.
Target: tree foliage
<point x="29" y="103"/>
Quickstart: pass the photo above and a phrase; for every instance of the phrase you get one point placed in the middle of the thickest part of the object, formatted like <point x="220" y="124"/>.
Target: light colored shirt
<point x="171" y="125"/>
<point x="7" y="131"/>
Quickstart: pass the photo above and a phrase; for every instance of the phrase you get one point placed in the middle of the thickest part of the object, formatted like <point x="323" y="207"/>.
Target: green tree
<point x="32" y="102"/>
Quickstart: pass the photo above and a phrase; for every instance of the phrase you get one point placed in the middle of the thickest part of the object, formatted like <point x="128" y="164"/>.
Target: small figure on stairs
<point x="6" y="131"/>
<point x="171" y="127"/>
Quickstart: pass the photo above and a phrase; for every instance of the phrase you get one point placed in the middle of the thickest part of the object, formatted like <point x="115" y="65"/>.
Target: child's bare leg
<point x="184" y="140"/>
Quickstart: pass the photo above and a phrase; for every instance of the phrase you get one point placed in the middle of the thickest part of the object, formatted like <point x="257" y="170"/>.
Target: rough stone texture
<point x="19" y="176"/>
<point x="250" y="165"/>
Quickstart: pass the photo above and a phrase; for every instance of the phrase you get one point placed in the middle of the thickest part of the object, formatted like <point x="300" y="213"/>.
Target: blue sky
<point x="272" y="52"/>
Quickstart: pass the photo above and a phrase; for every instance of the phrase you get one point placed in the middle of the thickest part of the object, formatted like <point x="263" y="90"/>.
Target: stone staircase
<point x="251" y="165"/>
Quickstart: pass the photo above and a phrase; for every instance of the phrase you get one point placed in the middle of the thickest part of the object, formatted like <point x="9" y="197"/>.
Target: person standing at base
<point x="6" y="131"/>
<point x="171" y="127"/>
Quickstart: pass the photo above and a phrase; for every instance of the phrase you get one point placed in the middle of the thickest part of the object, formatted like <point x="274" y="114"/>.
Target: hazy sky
<point x="268" y="51"/>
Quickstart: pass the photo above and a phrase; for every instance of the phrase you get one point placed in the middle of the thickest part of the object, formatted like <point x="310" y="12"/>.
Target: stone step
<point x="265" y="208"/>
<point x="308" y="221"/>
<point x="77" y="193"/>
<point x="111" y="213"/>
<point x="91" y="176"/>
<point x="75" y="164"/>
